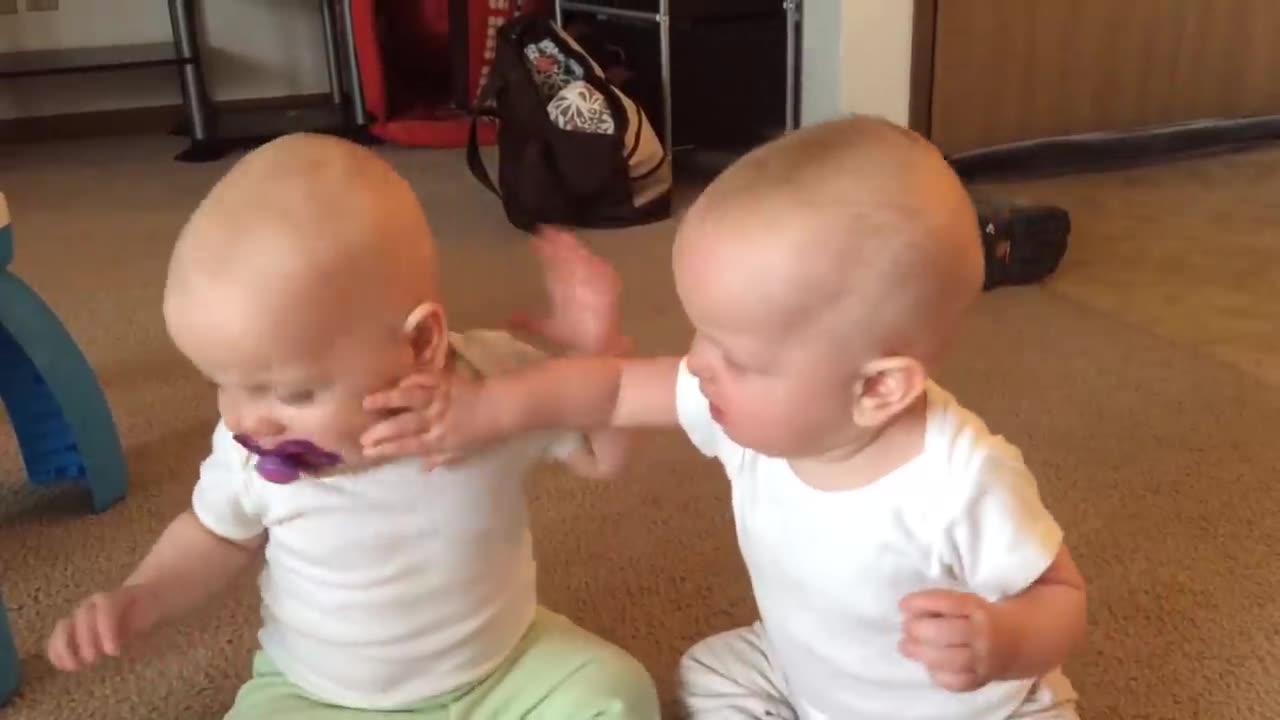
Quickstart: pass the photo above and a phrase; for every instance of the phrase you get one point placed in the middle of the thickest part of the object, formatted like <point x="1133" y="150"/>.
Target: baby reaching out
<point x="901" y="558"/>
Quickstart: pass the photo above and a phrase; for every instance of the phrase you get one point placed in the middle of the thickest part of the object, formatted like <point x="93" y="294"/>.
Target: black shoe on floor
<point x="1022" y="244"/>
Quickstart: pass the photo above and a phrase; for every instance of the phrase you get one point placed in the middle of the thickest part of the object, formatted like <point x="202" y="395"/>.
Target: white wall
<point x="252" y="48"/>
<point x="856" y="57"/>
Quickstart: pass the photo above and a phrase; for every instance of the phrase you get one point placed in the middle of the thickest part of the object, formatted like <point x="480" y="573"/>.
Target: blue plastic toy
<point x="8" y="659"/>
<point x="63" y="424"/>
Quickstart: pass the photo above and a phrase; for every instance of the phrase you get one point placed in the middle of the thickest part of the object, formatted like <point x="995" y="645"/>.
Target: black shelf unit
<point x="34" y="63"/>
<point x="698" y="20"/>
<point x="213" y="132"/>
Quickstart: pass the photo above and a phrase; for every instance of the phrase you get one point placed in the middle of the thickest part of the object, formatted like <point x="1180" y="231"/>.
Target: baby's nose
<point x="259" y="426"/>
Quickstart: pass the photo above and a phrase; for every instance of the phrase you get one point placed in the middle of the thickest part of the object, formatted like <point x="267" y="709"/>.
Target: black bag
<point x="572" y="150"/>
<point x="1021" y="244"/>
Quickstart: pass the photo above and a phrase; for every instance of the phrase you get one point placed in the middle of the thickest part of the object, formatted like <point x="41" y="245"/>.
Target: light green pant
<point x="558" y="672"/>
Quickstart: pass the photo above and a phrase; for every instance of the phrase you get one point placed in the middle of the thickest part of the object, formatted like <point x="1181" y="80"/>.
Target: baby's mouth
<point x="289" y="460"/>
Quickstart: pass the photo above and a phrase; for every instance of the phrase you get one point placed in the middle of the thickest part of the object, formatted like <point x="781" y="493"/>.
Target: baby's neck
<point x="869" y="459"/>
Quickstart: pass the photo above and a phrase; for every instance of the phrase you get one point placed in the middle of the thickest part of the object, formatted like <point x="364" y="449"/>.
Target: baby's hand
<point x="101" y="626"/>
<point x="583" y="295"/>
<point x="435" y="416"/>
<point x="955" y="635"/>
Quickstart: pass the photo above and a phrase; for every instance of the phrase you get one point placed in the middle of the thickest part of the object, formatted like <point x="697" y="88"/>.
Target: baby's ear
<point x="885" y="388"/>
<point x="428" y="333"/>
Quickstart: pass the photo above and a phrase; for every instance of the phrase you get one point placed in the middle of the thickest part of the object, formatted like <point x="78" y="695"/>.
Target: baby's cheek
<point x="338" y="427"/>
<point x="792" y="418"/>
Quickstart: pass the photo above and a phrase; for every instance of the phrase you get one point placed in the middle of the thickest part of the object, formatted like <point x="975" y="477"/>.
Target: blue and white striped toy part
<point x="6" y="235"/>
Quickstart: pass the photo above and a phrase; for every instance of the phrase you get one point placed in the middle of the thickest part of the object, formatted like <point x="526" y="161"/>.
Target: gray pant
<point x="731" y="677"/>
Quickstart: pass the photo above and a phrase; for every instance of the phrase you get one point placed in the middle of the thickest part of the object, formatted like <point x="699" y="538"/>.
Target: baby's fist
<point x="954" y="635"/>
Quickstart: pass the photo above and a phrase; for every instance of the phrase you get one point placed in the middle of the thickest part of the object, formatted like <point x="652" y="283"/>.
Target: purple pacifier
<point x="287" y="461"/>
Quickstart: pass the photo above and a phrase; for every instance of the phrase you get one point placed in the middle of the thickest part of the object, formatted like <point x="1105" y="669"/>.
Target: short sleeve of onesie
<point x="222" y="499"/>
<point x="1003" y="538"/>
<point x="492" y="352"/>
<point x="693" y="412"/>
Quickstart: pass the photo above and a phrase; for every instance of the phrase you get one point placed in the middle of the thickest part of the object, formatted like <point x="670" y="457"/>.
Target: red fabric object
<point x="540" y="7"/>
<point x="402" y="50"/>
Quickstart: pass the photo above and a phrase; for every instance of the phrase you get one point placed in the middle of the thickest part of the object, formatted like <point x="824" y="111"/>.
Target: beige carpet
<point x="1136" y="381"/>
<point x="1186" y="250"/>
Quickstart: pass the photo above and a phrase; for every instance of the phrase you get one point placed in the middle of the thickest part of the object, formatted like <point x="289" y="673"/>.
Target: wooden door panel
<point x="1010" y="70"/>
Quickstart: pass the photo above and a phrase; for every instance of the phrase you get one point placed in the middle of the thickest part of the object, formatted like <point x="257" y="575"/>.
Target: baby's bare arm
<point x="187" y="566"/>
<point x="605" y="454"/>
<point x="447" y="417"/>
<point x="1041" y="625"/>
<point x="607" y="448"/>
<point x="584" y="393"/>
<point x="643" y="395"/>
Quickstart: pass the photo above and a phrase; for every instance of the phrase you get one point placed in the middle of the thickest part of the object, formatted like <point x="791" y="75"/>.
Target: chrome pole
<point x="331" y="51"/>
<point x="358" y="116"/>
<point x="792" y="8"/>
<point x="664" y="40"/>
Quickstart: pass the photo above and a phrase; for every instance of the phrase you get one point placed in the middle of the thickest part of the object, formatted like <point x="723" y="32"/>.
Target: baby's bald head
<point x="310" y="228"/>
<point x="823" y="273"/>
<point x="855" y="227"/>
<point x="293" y="285"/>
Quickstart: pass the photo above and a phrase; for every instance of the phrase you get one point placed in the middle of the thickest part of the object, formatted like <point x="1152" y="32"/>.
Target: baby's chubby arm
<point x="190" y="564"/>
<point x="584" y="393"/>
<point x="1020" y="608"/>
<point x="457" y="416"/>
<point x="1038" y="628"/>
<point x="187" y="566"/>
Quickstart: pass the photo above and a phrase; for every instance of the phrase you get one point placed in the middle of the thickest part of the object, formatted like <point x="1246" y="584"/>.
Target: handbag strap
<point x="474" y="161"/>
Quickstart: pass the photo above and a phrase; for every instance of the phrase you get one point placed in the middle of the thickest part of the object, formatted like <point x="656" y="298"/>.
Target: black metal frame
<point x="201" y="117"/>
<point x="662" y="18"/>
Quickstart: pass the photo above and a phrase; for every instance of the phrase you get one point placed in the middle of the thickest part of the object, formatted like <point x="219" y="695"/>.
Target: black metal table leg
<point x="195" y="98"/>
<point x="359" y="118"/>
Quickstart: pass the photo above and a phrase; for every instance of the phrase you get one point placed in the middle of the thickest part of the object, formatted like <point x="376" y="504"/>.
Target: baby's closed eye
<point x="297" y="398"/>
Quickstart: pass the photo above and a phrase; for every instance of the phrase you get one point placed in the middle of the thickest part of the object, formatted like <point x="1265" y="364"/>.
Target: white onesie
<point x="829" y="569"/>
<point x="389" y="586"/>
